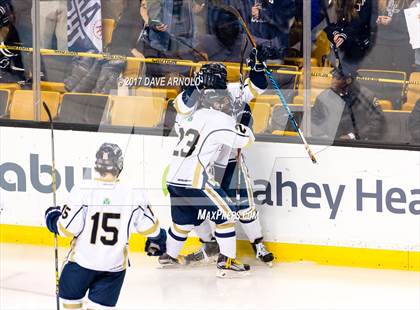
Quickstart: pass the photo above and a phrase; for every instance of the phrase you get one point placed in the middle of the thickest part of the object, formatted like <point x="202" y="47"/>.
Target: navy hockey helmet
<point x="214" y="71"/>
<point x="109" y="159"/>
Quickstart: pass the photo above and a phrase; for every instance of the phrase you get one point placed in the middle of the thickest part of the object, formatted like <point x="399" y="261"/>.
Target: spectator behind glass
<point x="172" y="27"/>
<point x="100" y="75"/>
<point x="347" y="110"/>
<point x="269" y="22"/>
<point x="352" y="30"/>
<point x="53" y="24"/>
<point x="392" y="50"/>
<point x="224" y="43"/>
<point x="11" y="66"/>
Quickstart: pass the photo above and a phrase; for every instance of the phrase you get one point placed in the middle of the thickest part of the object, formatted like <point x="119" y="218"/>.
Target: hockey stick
<point x="239" y="152"/>
<point x="54" y="189"/>
<point x="274" y="83"/>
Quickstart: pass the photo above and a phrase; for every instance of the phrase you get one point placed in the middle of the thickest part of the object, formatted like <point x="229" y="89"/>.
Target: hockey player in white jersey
<point x="100" y="217"/>
<point x="194" y="194"/>
<point x="214" y="76"/>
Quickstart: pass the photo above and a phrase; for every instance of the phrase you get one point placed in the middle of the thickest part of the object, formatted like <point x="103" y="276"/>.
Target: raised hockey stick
<point x="54" y="189"/>
<point x="274" y="83"/>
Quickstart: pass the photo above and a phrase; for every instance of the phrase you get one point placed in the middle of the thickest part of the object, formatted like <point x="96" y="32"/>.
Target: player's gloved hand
<point x="156" y="246"/>
<point x="51" y="217"/>
<point x="257" y="57"/>
<point x="244" y="116"/>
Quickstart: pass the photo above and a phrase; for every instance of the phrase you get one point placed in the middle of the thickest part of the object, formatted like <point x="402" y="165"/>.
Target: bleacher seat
<point x="139" y="111"/>
<point x="53" y="86"/>
<point x="285" y="133"/>
<point x="164" y="67"/>
<point x="166" y="93"/>
<point x="298" y="61"/>
<point x="4" y="102"/>
<point x="320" y="80"/>
<point x="83" y="108"/>
<point x="271" y="99"/>
<point x="233" y="71"/>
<point x="385" y="104"/>
<point x="396" y="126"/>
<point x="413" y="92"/>
<point x="22" y="105"/>
<point x="11" y="86"/>
<point x="287" y="82"/>
<point x="393" y="92"/>
<point x="322" y="49"/>
<point x="132" y="68"/>
<point x="280" y="118"/>
<point x="108" y="26"/>
<point x="261" y="114"/>
<point x="56" y="68"/>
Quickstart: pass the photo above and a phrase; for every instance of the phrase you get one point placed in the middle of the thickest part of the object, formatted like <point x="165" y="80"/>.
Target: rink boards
<point x="357" y="206"/>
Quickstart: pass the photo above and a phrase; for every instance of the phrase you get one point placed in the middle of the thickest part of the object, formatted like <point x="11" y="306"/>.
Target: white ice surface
<point x="27" y="282"/>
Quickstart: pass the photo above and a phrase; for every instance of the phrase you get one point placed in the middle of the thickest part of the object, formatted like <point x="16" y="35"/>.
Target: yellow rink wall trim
<point x="283" y="252"/>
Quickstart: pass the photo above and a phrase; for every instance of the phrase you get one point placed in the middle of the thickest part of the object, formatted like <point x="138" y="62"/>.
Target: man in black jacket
<point x="11" y="66"/>
<point x="347" y="110"/>
<point x="352" y="29"/>
<point x="269" y="22"/>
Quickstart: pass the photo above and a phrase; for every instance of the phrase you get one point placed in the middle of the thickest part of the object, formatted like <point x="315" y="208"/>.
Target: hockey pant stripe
<point x="181" y="239"/>
<point x="225" y="235"/>
<point x="248" y="185"/>
<point x="220" y="203"/>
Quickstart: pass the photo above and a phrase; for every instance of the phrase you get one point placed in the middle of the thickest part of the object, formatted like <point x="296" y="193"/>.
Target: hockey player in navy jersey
<point x="100" y="217"/>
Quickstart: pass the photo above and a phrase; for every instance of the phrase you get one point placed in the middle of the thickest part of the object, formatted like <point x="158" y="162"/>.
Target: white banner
<point x="354" y="197"/>
<point x="84" y="25"/>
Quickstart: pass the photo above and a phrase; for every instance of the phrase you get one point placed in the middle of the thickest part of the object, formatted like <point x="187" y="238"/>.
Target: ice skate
<point x="207" y="254"/>
<point x="262" y="253"/>
<point x="231" y="268"/>
<point x="168" y="262"/>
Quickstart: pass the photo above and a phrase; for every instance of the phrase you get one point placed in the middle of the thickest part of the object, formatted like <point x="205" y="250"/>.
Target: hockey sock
<point x="226" y="238"/>
<point x="250" y="223"/>
<point x="204" y="231"/>
<point x="72" y="304"/>
<point x="177" y="235"/>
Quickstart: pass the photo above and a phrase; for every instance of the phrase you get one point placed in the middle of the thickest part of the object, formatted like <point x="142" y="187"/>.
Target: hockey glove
<point x="156" y="246"/>
<point x="257" y="57"/>
<point x="51" y="217"/>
